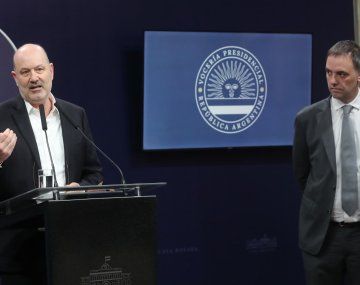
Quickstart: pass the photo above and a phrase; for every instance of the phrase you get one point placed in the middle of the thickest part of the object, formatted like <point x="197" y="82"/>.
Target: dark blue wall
<point x="227" y="216"/>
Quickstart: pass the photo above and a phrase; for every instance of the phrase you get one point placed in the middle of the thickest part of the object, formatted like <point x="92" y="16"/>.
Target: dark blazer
<point x="19" y="172"/>
<point x="315" y="168"/>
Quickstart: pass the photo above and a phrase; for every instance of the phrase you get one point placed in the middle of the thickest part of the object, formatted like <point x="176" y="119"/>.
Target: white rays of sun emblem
<point x="231" y="77"/>
<point x="230" y="89"/>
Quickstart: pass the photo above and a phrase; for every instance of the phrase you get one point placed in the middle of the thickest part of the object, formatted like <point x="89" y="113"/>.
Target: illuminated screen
<point x="213" y="90"/>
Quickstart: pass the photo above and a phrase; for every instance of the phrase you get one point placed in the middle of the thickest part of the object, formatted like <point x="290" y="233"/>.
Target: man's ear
<point x="13" y="74"/>
<point x="52" y="70"/>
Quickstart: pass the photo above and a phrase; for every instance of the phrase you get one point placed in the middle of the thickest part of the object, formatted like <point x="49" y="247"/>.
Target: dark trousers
<point x="338" y="260"/>
<point x="13" y="279"/>
<point x="22" y="257"/>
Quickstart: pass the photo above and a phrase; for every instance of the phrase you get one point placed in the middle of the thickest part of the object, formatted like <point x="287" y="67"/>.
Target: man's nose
<point x="332" y="79"/>
<point x="33" y="76"/>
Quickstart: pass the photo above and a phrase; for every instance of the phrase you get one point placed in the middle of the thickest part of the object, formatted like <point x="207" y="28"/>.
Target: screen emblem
<point x="230" y="89"/>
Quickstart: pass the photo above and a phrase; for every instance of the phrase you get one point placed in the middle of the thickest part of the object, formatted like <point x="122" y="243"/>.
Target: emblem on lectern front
<point x="106" y="275"/>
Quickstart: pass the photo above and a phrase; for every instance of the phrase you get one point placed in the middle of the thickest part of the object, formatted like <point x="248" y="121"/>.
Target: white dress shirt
<point x="55" y="137"/>
<point x="338" y="213"/>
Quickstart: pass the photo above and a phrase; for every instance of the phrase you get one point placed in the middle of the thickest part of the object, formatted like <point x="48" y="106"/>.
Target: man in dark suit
<point x="23" y="151"/>
<point x="329" y="226"/>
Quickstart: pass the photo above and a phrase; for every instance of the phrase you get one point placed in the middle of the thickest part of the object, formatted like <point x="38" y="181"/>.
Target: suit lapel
<point x="325" y="126"/>
<point x="22" y="121"/>
<point x="66" y="129"/>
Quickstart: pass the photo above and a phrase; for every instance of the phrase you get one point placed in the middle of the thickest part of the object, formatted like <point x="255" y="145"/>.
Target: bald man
<point x="23" y="151"/>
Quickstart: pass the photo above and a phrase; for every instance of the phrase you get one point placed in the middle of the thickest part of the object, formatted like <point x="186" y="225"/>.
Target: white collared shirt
<point x="55" y="137"/>
<point x="338" y="213"/>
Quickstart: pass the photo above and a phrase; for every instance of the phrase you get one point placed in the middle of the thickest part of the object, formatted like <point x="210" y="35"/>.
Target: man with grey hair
<point x="23" y="151"/>
<point x="326" y="159"/>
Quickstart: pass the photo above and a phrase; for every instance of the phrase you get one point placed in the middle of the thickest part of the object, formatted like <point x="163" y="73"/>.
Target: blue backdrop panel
<point x="227" y="216"/>
<point x="223" y="89"/>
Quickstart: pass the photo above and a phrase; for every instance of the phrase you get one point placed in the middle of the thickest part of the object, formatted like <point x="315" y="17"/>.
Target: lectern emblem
<point x="106" y="275"/>
<point x="230" y="89"/>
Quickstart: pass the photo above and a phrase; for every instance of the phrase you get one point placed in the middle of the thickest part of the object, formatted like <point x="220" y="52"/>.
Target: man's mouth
<point x="335" y="89"/>
<point x="34" y="87"/>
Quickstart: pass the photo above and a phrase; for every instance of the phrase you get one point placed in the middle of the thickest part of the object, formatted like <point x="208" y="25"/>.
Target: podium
<point x="93" y="234"/>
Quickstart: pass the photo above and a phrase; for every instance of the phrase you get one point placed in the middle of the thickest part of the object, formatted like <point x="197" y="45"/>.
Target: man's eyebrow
<point x="28" y="68"/>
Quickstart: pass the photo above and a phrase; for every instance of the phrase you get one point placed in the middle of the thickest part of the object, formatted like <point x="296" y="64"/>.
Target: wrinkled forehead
<point x="342" y="61"/>
<point x="30" y="58"/>
<point x="339" y="57"/>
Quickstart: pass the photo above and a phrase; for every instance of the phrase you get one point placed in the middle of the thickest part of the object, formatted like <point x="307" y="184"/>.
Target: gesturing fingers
<point x="7" y="144"/>
<point x="4" y="135"/>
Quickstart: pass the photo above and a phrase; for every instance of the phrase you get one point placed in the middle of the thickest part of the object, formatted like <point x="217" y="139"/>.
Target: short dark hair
<point x="347" y="47"/>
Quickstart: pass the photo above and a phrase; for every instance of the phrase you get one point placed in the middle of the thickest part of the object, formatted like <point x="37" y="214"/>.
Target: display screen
<point x="214" y="90"/>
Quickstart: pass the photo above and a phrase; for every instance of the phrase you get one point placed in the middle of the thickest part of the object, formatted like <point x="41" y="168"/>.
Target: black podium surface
<point x="83" y="236"/>
<point x="93" y="235"/>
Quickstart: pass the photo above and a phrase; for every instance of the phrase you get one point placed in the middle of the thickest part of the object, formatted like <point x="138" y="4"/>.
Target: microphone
<point x="43" y="118"/>
<point x="122" y="178"/>
<point x="44" y="127"/>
